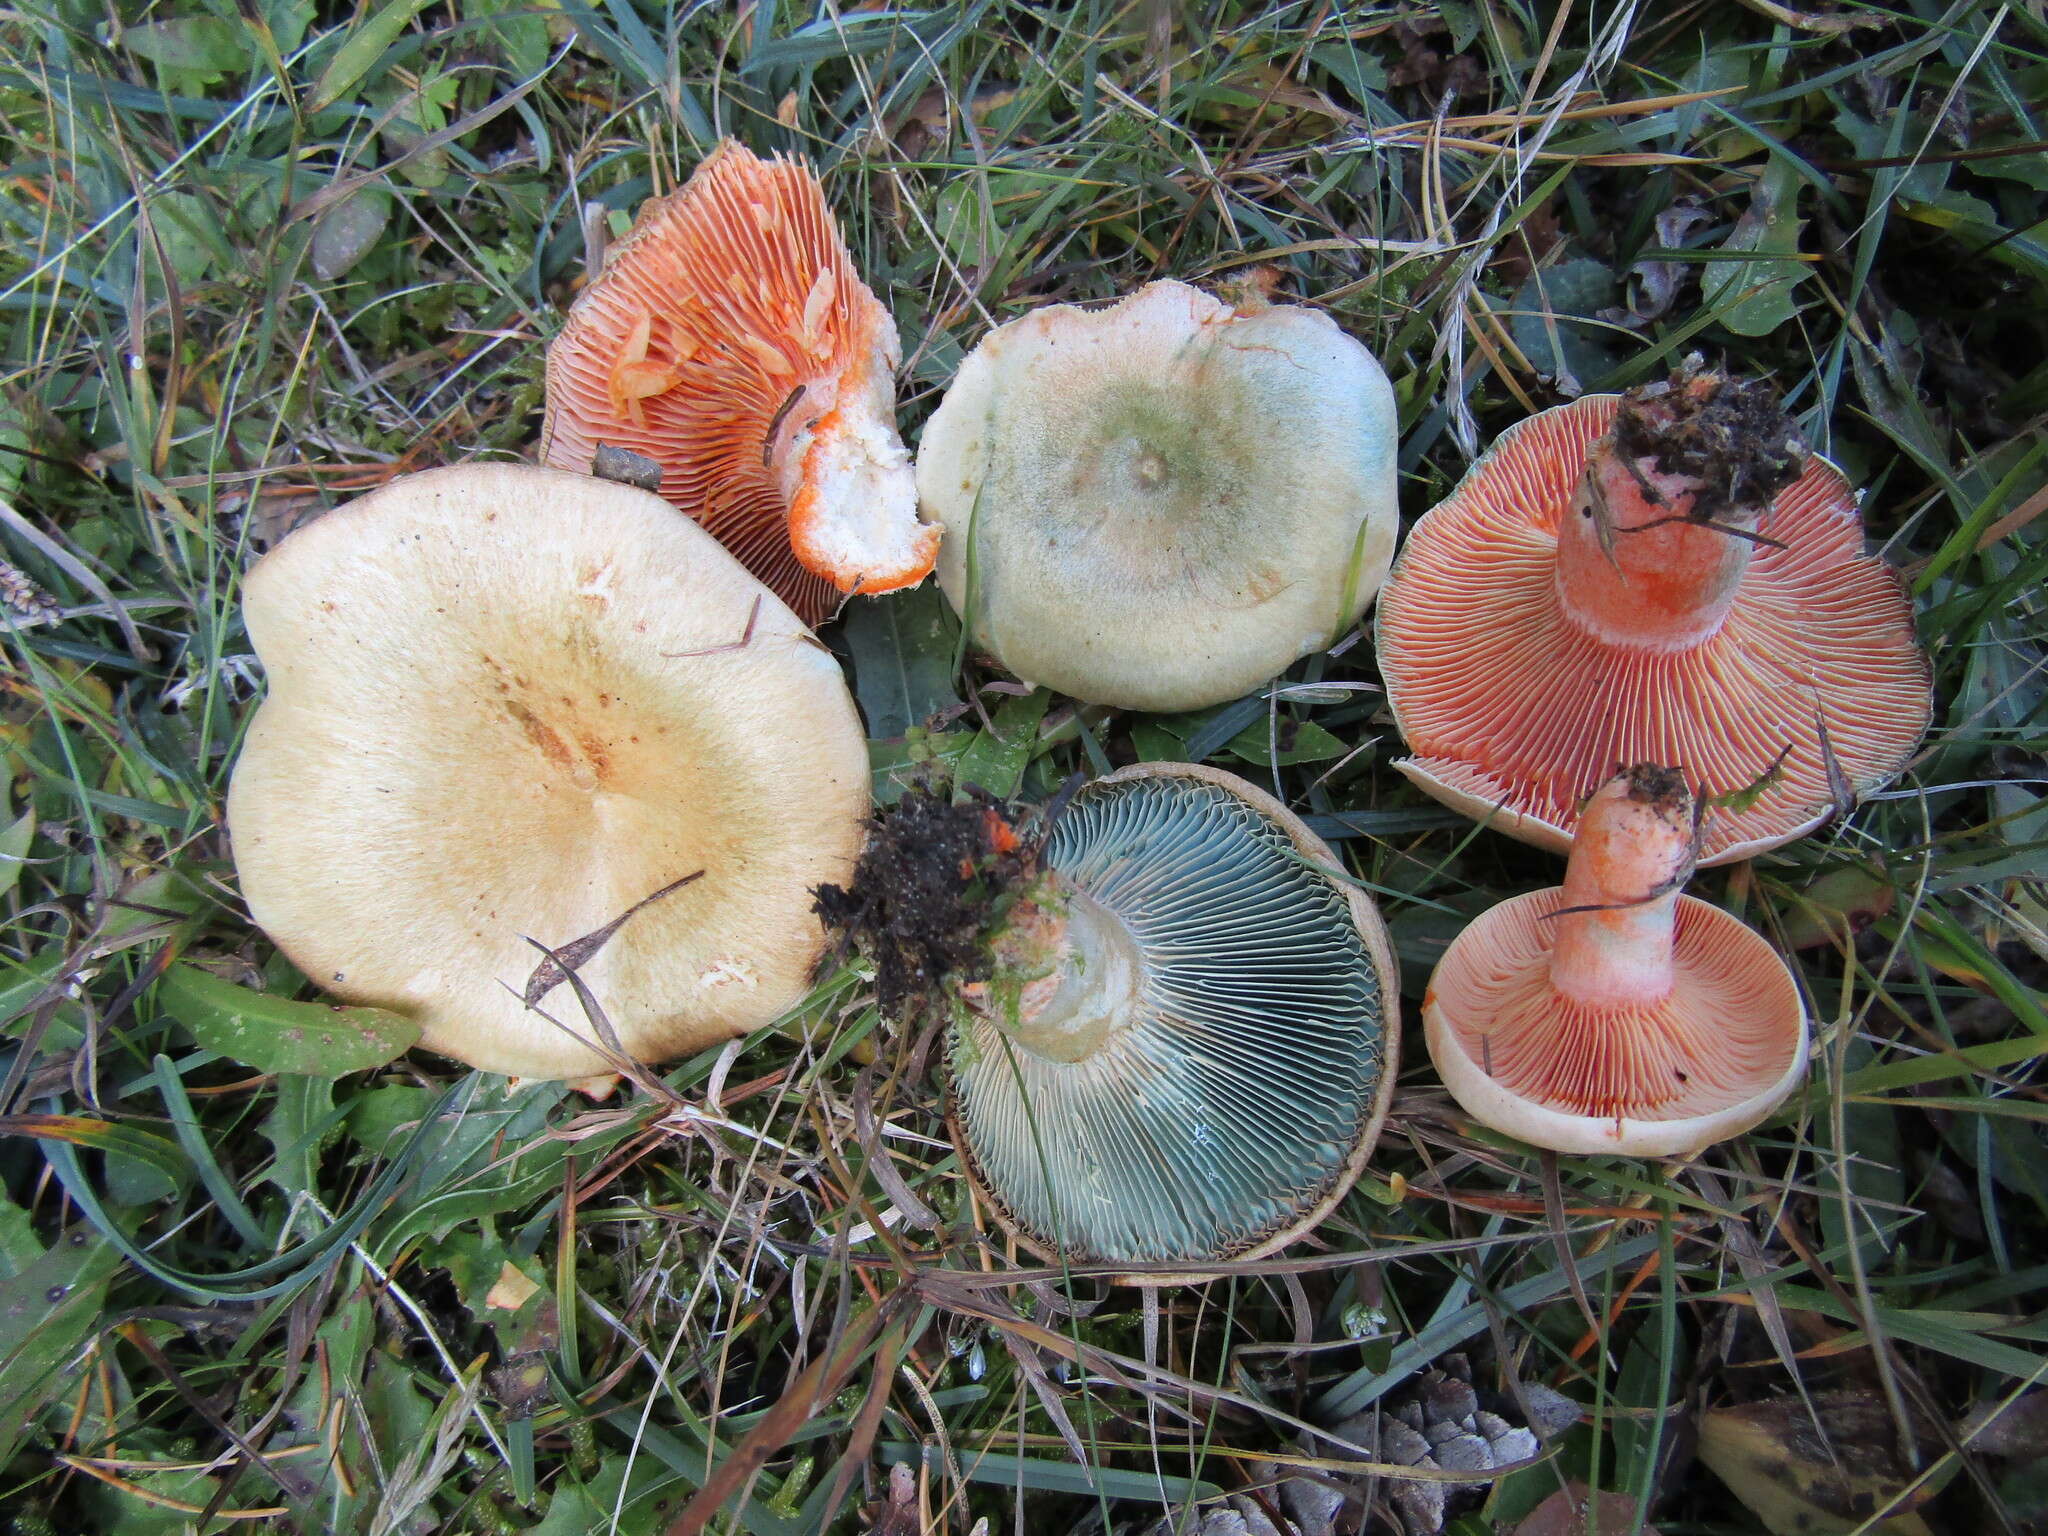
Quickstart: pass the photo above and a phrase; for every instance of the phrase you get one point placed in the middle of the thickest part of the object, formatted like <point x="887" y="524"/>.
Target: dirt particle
<point x="935" y="879"/>
<point x="1267" y="583"/>
<point x="1728" y="434"/>
<point x="537" y="731"/>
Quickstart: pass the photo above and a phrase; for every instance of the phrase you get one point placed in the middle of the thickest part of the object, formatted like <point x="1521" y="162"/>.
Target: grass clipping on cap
<point x="936" y="882"/>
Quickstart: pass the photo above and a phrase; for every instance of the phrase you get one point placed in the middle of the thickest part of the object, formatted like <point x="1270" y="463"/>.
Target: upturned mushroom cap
<point x="730" y="340"/>
<point x="1612" y="1014"/>
<point x="508" y="702"/>
<point x="1202" y="1070"/>
<point x="1162" y="504"/>
<point x="1516" y="697"/>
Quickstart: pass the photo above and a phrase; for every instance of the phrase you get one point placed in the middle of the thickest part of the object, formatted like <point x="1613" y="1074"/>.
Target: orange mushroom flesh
<point x="730" y="340"/>
<point x="1613" y="1014"/>
<point x="1662" y="577"/>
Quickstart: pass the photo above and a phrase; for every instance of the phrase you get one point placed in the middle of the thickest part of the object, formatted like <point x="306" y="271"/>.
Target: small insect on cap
<point x="730" y="340"/>
<point x="1162" y="504"/>
<point x="1194" y="1063"/>
<point x="1612" y="1013"/>
<point x="1663" y="577"/>
<point x="509" y="703"/>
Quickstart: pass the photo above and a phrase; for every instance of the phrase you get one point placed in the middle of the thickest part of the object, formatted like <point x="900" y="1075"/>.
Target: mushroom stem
<point x="1667" y="513"/>
<point x="1631" y="858"/>
<point x="1654" y="588"/>
<point x="1067" y="970"/>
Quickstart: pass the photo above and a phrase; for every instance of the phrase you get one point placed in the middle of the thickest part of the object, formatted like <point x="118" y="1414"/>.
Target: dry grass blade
<point x="556" y="964"/>
<point x="818" y="1381"/>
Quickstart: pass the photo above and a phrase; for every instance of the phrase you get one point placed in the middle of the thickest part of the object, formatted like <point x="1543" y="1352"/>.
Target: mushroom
<point x="510" y="703"/>
<point x="1162" y="504"/>
<point x="1174" y="1023"/>
<point x="730" y="340"/>
<point x="1199" y="1041"/>
<point x="1612" y="1014"/>
<point x="1666" y="576"/>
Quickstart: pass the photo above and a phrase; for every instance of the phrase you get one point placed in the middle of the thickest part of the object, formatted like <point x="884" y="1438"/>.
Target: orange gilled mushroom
<point x="1666" y="576"/>
<point x="730" y="340"/>
<point x="1613" y="1014"/>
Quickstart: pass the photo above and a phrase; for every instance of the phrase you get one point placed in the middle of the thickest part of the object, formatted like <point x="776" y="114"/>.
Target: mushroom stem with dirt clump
<point x="1665" y="576"/>
<point x="1614" y="1014"/>
<point x="1173" y="1021"/>
<point x="730" y="340"/>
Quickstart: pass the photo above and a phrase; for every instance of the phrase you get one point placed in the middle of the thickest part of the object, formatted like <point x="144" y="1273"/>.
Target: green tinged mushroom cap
<point x="1240" y="1082"/>
<point x="1162" y="504"/>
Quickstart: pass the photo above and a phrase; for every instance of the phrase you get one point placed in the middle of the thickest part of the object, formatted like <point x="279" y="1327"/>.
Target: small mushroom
<point x="1162" y="504"/>
<point x="1189" y="1037"/>
<point x="1666" y="576"/>
<point x="510" y="703"/>
<point x="730" y="340"/>
<point x="1613" y="1014"/>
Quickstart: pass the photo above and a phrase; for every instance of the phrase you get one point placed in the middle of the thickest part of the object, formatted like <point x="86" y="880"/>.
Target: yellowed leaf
<point x="510" y="1290"/>
<point x="1803" y="1482"/>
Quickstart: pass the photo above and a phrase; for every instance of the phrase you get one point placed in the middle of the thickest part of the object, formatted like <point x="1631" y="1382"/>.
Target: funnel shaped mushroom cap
<point x="1505" y="701"/>
<point x="730" y="340"/>
<point x="509" y="702"/>
<point x="1715" y="1055"/>
<point x="1234" y="1081"/>
<point x="1162" y="504"/>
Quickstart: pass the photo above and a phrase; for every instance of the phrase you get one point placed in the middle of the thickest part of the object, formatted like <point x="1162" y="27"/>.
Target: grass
<point x="256" y="259"/>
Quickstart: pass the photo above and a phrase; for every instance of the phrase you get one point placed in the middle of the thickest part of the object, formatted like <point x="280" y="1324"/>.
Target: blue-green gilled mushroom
<point x="1185" y="1039"/>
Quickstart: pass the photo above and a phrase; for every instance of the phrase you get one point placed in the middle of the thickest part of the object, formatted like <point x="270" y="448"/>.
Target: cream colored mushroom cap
<point x="509" y="702"/>
<point x="1162" y="504"/>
